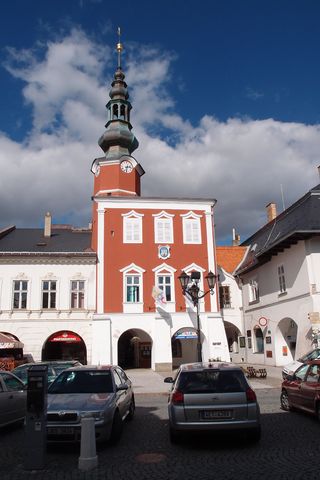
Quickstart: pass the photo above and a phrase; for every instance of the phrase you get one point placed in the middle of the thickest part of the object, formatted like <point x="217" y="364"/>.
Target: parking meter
<point x="36" y="435"/>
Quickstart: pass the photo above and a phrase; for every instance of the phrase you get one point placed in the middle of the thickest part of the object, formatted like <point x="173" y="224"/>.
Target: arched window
<point x="258" y="336"/>
<point x="122" y="112"/>
<point x="115" y="111"/>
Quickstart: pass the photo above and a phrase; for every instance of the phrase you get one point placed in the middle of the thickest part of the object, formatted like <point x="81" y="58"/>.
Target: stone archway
<point x="285" y="341"/>
<point x="65" y="345"/>
<point x="134" y="349"/>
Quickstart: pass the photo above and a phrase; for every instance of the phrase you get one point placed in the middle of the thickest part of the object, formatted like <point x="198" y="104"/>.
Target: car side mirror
<point x="122" y="387"/>
<point x="168" y="380"/>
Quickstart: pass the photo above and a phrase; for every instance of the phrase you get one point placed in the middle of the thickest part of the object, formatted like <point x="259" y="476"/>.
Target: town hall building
<point x="111" y="293"/>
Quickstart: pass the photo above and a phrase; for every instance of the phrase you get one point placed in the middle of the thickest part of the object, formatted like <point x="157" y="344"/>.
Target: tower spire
<point x="118" y="139"/>
<point x="119" y="47"/>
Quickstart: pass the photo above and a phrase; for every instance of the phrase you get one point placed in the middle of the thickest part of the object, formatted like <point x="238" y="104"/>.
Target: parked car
<point x="212" y="397"/>
<point x="54" y="368"/>
<point x="301" y="390"/>
<point x="293" y="366"/>
<point x="13" y="399"/>
<point x="102" y="392"/>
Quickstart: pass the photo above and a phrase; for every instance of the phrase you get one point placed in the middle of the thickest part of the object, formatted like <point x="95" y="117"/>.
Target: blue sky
<point x="226" y="92"/>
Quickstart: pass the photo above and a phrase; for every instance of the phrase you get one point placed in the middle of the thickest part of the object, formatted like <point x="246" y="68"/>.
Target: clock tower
<point x="117" y="173"/>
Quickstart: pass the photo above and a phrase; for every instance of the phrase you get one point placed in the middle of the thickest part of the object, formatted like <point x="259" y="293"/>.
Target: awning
<point x="65" y="337"/>
<point x="8" y="341"/>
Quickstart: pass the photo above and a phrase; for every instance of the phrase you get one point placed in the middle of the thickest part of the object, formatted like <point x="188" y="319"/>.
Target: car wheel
<point x="284" y="401"/>
<point x="131" y="409"/>
<point x="116" y="430"/>
<point x="254" y="435"/>
<point x="174" y="435"/>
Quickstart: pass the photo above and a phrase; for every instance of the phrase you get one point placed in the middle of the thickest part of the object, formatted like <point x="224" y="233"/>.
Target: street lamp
<point x="190" y="286"/>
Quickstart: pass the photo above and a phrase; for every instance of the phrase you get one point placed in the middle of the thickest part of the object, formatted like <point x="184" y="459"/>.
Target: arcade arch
<point x="232" y="333"/>
<point x="184" y="346"/>
<point x="64" y="345"/>
<point x="285" y="341"/>
<point x="134" y="349"/>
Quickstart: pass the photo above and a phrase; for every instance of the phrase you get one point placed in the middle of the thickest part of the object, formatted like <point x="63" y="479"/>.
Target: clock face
<point x="126" y="166"/>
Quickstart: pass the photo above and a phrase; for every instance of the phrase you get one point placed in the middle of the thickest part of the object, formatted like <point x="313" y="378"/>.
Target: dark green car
<point x="54" y="369"/>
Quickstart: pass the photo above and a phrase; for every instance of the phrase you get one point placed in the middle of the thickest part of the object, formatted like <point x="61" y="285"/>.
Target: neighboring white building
<point x="47" y="291"/>
<point x="280" y="278"/>
<point x="229" y="258"/>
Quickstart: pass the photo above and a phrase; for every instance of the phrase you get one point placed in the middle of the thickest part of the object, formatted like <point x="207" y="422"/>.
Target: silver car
<point x="102" y="392"/>
<point x="212" y="397"/>
<point x="13" y="399"/>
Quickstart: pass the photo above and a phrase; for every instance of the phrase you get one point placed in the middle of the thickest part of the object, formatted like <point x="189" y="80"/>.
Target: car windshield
<point x="82" y="382"/>
<point x="313" y="355"/>
<point x="212" y="381"/>
<point x="60" y="367"/>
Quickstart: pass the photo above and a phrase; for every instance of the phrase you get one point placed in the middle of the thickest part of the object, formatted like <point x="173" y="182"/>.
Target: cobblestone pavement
<point x="289" y="449"/>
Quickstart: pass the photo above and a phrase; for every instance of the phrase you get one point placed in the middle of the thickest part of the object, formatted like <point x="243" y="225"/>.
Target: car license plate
<point x="60" y="430"/>
<point x="215" y="414"/>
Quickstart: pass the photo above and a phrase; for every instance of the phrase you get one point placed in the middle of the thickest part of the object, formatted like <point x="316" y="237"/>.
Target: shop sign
<point x="186" y="334"/>
<point x="65" y="337"/>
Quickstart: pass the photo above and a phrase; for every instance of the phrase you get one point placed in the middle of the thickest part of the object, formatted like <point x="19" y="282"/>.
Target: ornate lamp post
<point x="190" y="286"/>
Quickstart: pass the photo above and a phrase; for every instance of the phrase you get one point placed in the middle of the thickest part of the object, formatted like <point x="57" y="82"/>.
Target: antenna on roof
<point x="282" y="197"/>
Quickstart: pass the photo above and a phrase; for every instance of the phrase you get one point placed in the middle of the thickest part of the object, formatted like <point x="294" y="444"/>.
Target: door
<point x="12" y="399"/>
<point x="294" y="387"/>
<point x="122" y="395"/>
<point x="309" y="388"/>
<point x="145" y="355"/>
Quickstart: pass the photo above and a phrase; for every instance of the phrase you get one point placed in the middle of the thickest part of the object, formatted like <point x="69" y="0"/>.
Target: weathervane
<point x="119" y="48"/>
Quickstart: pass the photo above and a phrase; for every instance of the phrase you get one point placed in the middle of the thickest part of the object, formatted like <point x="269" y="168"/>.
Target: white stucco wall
<point x="32" y="326"/>
<point x="284" y="312"/>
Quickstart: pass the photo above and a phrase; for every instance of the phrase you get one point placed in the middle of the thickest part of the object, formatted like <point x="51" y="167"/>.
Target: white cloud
<point x="242" y="162"/>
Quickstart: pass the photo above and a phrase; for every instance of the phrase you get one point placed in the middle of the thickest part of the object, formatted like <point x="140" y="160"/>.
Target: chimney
<point x="47" y="224"/>
<point x="235" y="238"/>
<point x="271" y="211"/>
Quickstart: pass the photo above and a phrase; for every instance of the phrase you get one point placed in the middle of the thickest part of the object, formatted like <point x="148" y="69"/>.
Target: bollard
<point x="88" y="455"/>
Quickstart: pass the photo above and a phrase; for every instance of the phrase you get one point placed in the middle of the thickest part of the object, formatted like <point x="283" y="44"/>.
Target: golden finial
<point x="119" y="48"/>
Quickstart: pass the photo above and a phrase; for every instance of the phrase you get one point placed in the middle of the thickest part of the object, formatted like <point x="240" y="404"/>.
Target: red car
<point x="302" y="389"/>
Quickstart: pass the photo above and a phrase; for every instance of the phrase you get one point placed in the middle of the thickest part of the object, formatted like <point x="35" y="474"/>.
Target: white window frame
<point x="78" y="291"/>
<point x="166" y="270"/>
<point x="132" y="270"/>
<point x="20" y="291"/>
<point x="282" y="280"/>
<point x="49" y="291"/>
<point x="160" y="220"/>
<point x="132" y="221"/>
<point x="253" y="286"/>
<point x="188" y="221"/>
<point x="227" y="306"/>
